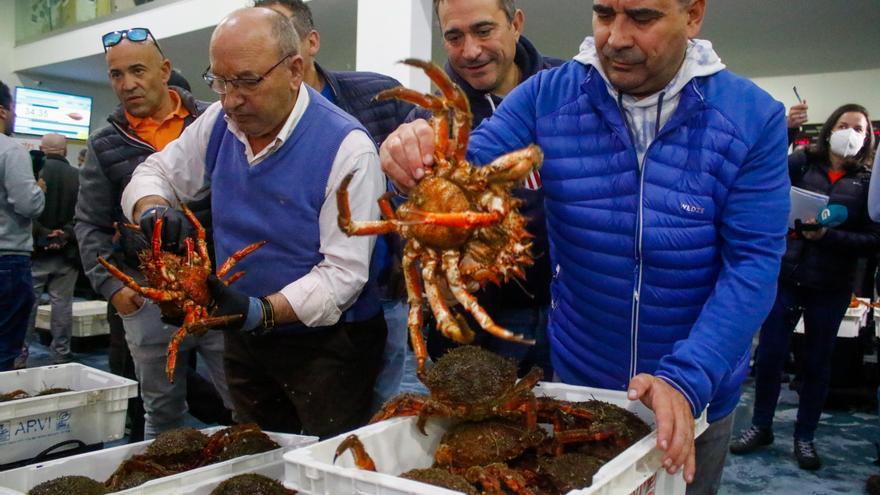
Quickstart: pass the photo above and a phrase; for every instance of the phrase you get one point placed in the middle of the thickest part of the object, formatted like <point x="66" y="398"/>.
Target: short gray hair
<point x="508" y="6"/>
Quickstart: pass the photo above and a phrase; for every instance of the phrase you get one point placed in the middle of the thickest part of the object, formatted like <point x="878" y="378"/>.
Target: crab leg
<point x="414" y="299"/>
<point x="154" y="294"/>
<point x="456" y="99"/>
<point x="429" y="102"/>
<point x="512" y="166"/>
<point x="401" y="405"/>
<point x="385" y="206"/>
<point x="491" y="478"/>
<point x="157" y="249"/>
<point x="463" y="219"/>
<point x="445" y="321"/>
<point x="201" y="245"/>
<point x="456" y="284"/>
<point x="236" y="257"/>
<point x="357" y="228"/>
<point x="191" y="325"/>
<point x="361" y="458"/>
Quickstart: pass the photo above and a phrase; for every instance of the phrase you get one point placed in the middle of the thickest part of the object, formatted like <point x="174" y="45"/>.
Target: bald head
<point x="139" y="75"/>
<point x="54" y="144"/>
<point x="259" y="25"/>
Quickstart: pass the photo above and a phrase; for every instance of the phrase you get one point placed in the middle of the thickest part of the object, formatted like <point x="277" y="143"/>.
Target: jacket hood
<point x="700" y="61"/>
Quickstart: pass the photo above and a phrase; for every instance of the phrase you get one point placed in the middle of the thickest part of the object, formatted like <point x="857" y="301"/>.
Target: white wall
<point x="7" y="43"/>
<point x="165" y="20"/>
<point x="825" y="92"/>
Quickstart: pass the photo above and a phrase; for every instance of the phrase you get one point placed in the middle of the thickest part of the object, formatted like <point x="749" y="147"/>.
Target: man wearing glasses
<point x="150" y="116"/>
<point x="306" y="353"/>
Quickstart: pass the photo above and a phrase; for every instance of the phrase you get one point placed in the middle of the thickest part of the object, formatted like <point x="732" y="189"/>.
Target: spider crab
<point x="461" y="222"/>
<point x="470" y="383"/>
<point x="178" y="283"/>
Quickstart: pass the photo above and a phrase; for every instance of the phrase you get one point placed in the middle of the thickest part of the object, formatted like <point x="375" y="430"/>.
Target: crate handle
<point x="46" y="453"/>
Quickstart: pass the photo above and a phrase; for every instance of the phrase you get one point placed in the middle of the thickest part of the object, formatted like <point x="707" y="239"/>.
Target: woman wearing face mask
<point x="816" y="278"/>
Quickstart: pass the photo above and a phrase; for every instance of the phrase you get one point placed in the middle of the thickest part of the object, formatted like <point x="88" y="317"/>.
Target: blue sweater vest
<point x="279" y="200"/>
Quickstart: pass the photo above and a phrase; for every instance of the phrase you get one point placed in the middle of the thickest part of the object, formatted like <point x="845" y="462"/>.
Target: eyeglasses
<point x="220" y="85"/>
<point x="136" y="35"/>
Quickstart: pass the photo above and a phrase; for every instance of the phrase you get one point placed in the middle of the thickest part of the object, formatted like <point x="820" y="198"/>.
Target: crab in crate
<point x="236" y="441"/>
<point x="461" y="223"/>
<point x="135" y="471"/>
<point x="251" y="484"/>
<point x="432" y="475"/>
<point x="598" y="428"/>
<point x="470" y="383"/>
<point x="179" y="449"/>
<point x="179" y="283"/>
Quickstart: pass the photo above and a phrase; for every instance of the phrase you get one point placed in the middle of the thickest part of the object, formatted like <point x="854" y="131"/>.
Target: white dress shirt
<point x="334" y="284"/>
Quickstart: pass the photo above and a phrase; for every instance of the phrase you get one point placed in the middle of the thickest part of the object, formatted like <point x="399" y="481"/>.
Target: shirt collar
<point x="179" y="111"/>
<point x="299" y="108"/>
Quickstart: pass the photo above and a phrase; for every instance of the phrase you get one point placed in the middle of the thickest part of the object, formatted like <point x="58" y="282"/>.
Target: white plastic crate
<point x="89" y="318"/>
<point x="396" y="446"/>
<point x="854" y="320"/>
<point x="100" y="465"/>
<point x="93" y="412"/>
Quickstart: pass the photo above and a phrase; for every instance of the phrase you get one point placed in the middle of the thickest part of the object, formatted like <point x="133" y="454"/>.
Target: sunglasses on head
<point x="136" y="35"/>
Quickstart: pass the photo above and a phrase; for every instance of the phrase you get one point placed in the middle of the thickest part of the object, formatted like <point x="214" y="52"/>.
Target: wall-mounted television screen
<point x="39" y="112"/>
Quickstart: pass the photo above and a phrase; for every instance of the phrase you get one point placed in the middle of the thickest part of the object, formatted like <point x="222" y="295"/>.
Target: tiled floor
<point x="845" y="441"/>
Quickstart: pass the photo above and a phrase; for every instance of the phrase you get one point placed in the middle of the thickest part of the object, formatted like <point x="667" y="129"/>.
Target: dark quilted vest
<point x="119" y="151"/>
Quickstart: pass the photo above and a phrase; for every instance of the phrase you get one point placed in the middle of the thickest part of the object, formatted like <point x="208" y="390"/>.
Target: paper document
<point x="805" y="205"/>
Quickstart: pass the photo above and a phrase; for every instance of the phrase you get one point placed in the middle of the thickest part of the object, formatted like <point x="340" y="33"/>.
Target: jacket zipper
<point x="131" y="139"/>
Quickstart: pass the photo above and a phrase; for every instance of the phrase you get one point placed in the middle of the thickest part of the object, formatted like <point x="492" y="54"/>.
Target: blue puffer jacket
<point x="670" y="270"/>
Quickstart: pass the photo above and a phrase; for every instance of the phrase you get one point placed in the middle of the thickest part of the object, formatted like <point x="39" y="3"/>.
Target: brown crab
<point x="179" y="449"/>
<point x="178" y="283"/>
<point x="596" y="427"/>
<point x="469" y="383"/>
<point x="461" y="222"/>
<point x="14" y="395"/>
<point x="66" y="485"/>
<point x="236" y="441"/>
<point x="483" y="443"/>
<point x="251" y="484"/>
<point x="135" y="471"/>
<point x="569" y="471"/>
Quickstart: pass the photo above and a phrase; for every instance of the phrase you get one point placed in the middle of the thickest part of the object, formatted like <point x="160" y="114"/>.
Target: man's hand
<point x="126" y="301"/>
<point x="675" y="422"/>
<point x="41" y="184"/>
<point x="797" y="115"/>
<point x="230" y="302"/>
<point x="175" y="227"/>
<point x="406" y="153"/>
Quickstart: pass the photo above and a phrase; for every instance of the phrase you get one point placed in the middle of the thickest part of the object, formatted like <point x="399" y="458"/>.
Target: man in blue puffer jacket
<point x="666" y="192"/>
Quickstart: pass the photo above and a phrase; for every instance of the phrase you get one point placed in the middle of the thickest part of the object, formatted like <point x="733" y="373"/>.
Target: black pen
<point x="797" y="95"/>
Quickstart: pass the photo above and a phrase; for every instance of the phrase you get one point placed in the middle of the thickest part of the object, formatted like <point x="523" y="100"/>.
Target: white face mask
<point x="846" y="142"/>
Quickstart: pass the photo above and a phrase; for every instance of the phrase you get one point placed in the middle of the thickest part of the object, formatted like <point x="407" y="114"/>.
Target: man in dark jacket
<point x="151" y="115"/>
<point x="487" y="57"/>
<point x="354" y="92"/>
<point x="350" y="91"/>
<point x="54" y="262"/>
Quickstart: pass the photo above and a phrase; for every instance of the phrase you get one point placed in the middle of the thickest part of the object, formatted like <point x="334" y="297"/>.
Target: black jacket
<point x="113" y="153"/>
<point x="829" y="263"/>
<point x="537" y="281"/>
<point x="62" y="186"/>
<point x="354" y="93"/>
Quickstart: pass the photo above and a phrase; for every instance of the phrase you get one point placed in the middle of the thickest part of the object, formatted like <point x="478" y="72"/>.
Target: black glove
<point x="801" y="227"/>
<point x="175" y="229"/>
<point x="228" y="302"/>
